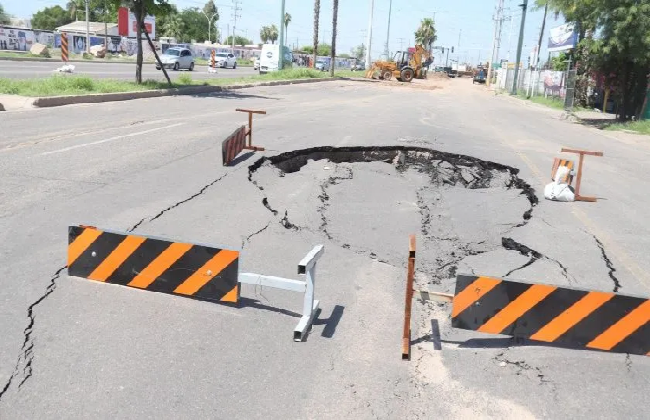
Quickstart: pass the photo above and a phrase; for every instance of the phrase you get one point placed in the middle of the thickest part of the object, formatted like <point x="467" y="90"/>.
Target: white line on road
<point x="66" y="149"/>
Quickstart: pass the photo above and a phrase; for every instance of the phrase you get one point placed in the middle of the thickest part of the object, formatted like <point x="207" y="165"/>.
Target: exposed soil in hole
<point x="368" y="199"/>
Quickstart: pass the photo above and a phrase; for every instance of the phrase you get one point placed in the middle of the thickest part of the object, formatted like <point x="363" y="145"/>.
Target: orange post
<point x="64" y="47"/>
<point x="410" y="274"/>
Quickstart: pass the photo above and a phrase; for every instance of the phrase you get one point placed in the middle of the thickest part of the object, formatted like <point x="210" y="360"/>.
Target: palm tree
<point x="264" y="34"/>
<point x="273" y="33"/>
<point x="335" y="15"/>
<point x="174" y="26"/>
<point x="287" y="21"/>
<point x="316" y="19"/>
<point x="72" y="7"/>
<point x="426" y="34"/>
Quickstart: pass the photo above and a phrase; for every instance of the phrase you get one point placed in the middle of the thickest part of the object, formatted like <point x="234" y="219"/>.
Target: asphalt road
<point x="75" y="348"/>
<point x="123" y="71"/>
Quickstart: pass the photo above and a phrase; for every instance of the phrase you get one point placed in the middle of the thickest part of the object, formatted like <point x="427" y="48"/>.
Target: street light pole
<point x="387" y="50"/>
<point x="209" y="22"/>
<point x="281" y="46"/>
<point x="369" y="41"/>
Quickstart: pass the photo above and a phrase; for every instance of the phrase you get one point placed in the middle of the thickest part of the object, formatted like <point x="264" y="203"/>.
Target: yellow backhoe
<point x="405" y="66"/>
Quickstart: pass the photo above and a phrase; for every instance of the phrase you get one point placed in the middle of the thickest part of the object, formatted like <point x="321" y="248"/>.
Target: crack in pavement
<point x="248" y="238"/>
<point x="26" y="355"/>
<point x="610" y="266"/>
<point x="173" y="206"/>
<point x="512" y="245"/>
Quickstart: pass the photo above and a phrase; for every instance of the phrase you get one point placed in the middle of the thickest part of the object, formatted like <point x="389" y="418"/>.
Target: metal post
<point x="520" y="44"/>
<point x="369" y="39"/>
<point x="281" y="46"/>
<point x="88" y="28"/>
<point x="410" y="274"/>
<point x="386" y="49"/>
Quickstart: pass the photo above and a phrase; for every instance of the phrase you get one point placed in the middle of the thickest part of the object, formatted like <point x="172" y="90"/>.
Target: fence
<point x="547" y="83"/>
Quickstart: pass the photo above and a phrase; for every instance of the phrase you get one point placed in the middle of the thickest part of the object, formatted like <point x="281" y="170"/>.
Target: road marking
<point x="78" y="146"/>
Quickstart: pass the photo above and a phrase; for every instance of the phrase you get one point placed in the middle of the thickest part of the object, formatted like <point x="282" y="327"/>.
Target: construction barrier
<point x="552" y="314"/>
<point x="153" y="264"/>
<point x="212" y="68"/>
<point x="410" y="274"/>
<point x="582" y="154"/>
<point x="236" y="142"/>
<point x="180" y="268"/>
<point x="64" y="47"/>
<point x="571" y="317"/>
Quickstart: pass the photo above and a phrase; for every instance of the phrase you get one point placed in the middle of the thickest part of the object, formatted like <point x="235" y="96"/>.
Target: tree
<point x="316" y="20"/>
<point x="323" y="49"/>
<point x="287" y="21"/>
<point x="173" y="25"/>
<point x="425" y="35"/>
<point x="50" y="18"/>
<point x="358" y="52"/>
<point x="239" y="40"/>
<point x="269" y="33"/>
<point x="335" y="16"/>
<point x="4" y="18"/>
<point x="194" y="22"/>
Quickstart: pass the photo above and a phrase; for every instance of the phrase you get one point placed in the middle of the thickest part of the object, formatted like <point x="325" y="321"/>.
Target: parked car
<point x="256" y="64"/>
<point x="225" y="60"/>
<point x="358" y="66"/>
<point x="177" y="58"/>
<point x="320" y="65"/>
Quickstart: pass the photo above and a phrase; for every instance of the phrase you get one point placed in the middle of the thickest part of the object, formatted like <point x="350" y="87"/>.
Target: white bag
<point x="558" y="190"/>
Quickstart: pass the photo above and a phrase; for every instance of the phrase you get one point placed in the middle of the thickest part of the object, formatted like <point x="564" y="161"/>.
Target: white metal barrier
<point x="306" y="267"/>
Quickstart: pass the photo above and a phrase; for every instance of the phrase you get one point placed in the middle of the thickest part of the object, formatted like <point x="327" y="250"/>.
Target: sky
<point x="471" y="19"/>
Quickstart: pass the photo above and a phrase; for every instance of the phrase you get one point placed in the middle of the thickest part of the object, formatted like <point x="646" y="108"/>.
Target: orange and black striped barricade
<point x="576" y="318"/>
<point x="64" y="47"/>
<point x="180" y="268"/>
<point x="212" y="68"/>
<point x="557" y="162"/>
<point x="582" y="154"/>
<point x="153" y="264"/>
<point x="236" y="142"/>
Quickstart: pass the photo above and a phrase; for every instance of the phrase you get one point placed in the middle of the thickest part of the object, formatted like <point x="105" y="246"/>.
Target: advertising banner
<point x="562" y="38"/>
<point x="128" y="26"/>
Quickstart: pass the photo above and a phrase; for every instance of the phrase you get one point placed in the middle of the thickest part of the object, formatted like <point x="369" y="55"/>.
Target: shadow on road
<point x="330" y="323"/>
<point x="256" y="304"/>
<point x="241" y="158"/>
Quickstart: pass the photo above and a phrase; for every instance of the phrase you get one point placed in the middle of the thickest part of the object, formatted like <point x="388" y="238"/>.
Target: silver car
<point x="177" y="58"/>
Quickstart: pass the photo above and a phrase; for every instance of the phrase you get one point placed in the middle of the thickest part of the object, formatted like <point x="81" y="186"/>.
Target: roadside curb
<point x="98" y="61"/>
<point x="53" y="101"/>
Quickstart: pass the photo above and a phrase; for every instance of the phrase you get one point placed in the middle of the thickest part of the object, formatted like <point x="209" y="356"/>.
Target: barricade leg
<point x="307" y="266"/>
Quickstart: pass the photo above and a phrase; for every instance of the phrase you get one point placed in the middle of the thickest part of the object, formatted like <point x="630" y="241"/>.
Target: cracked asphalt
<point x="354" y="166"/>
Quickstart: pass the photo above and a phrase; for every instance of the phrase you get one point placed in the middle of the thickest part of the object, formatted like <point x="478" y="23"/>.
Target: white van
<point x="269" y="58"/>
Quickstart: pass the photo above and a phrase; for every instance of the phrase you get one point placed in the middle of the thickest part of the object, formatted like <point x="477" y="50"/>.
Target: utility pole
<point x="235" y="10"/>
<point x="281" y="46"/>
<point x="524" y="6"/>
<point x="447" y="60"/>
<point x="386" y="50"/>
<point x="88" y="28"/>
<point x="458" y="47"/>
<point x="497" y="27"/>
<point x="369" y="40"/>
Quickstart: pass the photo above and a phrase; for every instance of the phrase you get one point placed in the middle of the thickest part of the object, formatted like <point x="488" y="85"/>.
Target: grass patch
<point x="549" y="102"/>
<point x="9" y="54"/>
<point x="641" y="127"/>
<point x="71" y="85"/>
<point x="62" y="84"/>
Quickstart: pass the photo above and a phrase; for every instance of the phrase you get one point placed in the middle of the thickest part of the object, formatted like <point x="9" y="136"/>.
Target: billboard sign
<point x="127" y="25"/>
<point x="563" y="38"/>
